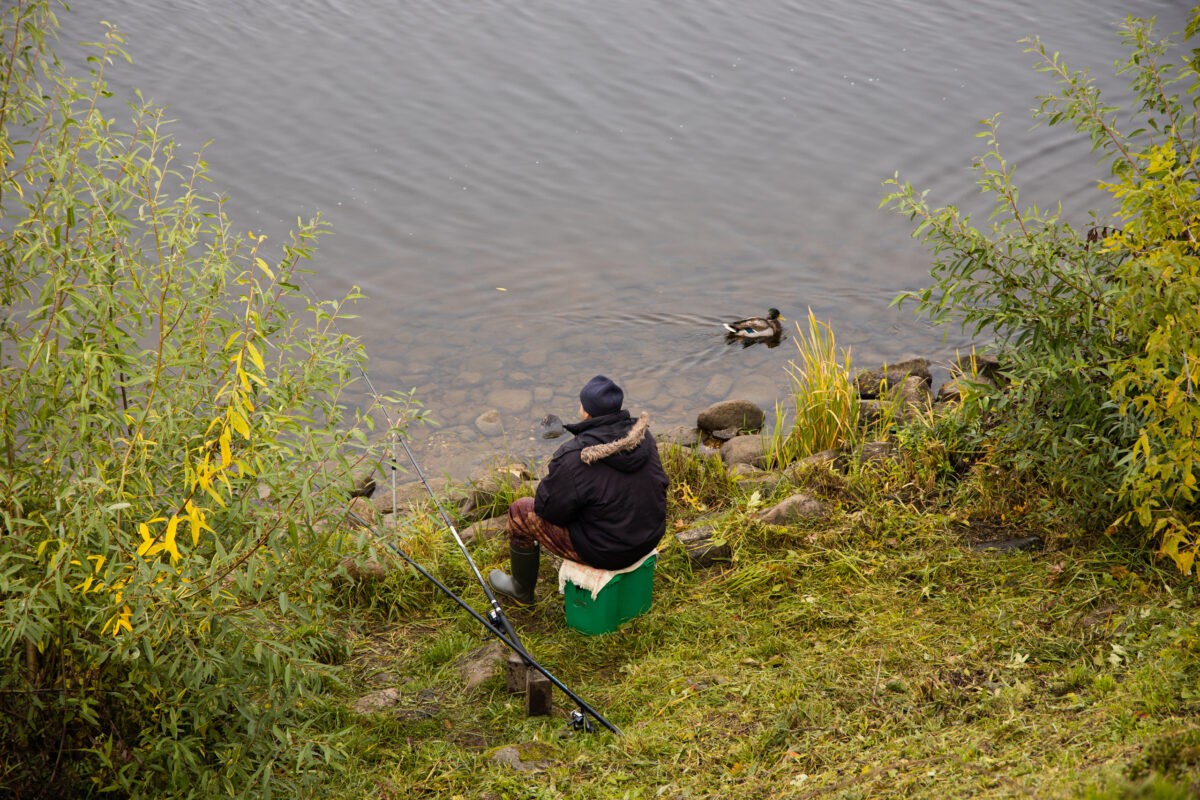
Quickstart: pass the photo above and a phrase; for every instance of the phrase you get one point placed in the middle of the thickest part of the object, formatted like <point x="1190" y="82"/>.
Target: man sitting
<point x="603" y="502"/>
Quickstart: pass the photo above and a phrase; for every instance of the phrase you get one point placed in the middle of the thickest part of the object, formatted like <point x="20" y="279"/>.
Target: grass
<point x="873" y="654"/>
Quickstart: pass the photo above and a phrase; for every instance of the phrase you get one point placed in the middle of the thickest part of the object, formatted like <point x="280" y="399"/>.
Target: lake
<point x="530" y="193"/>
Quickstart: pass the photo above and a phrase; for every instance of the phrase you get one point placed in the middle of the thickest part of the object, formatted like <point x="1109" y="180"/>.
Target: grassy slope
<point x="872" y="654"/>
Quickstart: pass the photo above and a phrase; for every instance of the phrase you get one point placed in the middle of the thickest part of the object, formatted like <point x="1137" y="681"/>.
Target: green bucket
<point x="624" y="597"/>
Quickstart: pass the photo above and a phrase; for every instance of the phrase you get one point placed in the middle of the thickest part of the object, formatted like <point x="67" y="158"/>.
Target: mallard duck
<point x="768" y="327"/>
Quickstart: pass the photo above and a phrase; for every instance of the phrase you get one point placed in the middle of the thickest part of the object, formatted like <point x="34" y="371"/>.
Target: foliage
<point x="825" y="400"/>
<point x="1097" y="327"/>
<point x="698" y="484"/>
<point x="172" y="430"/>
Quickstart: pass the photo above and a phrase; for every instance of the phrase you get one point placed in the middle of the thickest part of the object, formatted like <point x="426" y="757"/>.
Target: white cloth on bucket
<point x="591" y="579"/>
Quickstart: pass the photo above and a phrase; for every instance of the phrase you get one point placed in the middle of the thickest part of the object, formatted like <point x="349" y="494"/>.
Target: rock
<point x="534" y="357"/>
<point x="794" y="509"/>
<point x="551" y="427"/>
<point x="743" y="450"/>
<point x="511" y="757"/>
<point x="365" y="571"/>
<point x="680" y="435"/>
<point x="356" y="475"/>
<point x="870" y="412"/>
<point x="912" y="398"/>
<point x="718" y="386"/>
<point x="364" y="485"/>
<point x="753" y="479"/>
<point x="484" y="530"/>
<point x="878" y="453"/>
<point x="725" y="434"/>
<point x="902" y="402"/>
<point x="952" y="390"/>
<point x="481" y="664"/>
<point x="488" y="423"/>
<point x="979" y="364"/>
<point x="871" y="383"/>
<point x="375" y="702"/>
<point x="479" y="499"/>
<point x="361" y="513"/>
<point x="511" y="400"/>
<point x="826" y="459"/>
<point x="408" y="496"/>
<point x="1021" y="543"/>
<point x="702" y="551"/>
<point x="742" y="415"/>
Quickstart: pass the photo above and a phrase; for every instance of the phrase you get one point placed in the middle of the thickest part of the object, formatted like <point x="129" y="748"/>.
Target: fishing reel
<point x="496" y="621"/>
<point x="580" y="722"/>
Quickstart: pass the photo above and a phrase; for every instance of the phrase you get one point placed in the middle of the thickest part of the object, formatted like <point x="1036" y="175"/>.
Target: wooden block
<point x="539" y="694"/>
<point x="517" y="671"/>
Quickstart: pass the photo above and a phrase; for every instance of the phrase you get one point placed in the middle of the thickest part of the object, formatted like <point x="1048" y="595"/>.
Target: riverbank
<point x="872" y="650"/>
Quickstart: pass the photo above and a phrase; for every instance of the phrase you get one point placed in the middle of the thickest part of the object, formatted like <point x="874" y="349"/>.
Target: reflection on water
<point x="532" y="193"/>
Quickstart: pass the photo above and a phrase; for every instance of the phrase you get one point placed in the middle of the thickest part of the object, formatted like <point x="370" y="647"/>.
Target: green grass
<point x="872" y="655"/>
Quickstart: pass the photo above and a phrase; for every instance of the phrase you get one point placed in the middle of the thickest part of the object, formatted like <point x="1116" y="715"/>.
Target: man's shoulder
<point x="566" y="449"/>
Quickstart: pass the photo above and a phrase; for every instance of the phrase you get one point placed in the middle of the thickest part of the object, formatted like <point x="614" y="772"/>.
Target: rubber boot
<point x="525" y="562"/>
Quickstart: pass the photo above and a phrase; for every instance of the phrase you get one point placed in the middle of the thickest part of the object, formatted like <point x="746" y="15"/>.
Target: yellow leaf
<point x="239" y="424"/>
<point x="147" y="540"/>
<point x="258" y="262"/>
<point x="255" y="356"/>
<point x="169" y="538"/>
<point x="226" y="450"/>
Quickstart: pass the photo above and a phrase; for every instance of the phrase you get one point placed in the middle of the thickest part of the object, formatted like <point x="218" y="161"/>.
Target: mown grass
<point x="872" y="654"/>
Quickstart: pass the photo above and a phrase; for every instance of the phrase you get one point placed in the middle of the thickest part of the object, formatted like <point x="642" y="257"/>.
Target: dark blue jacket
<point x="608" y="488"/>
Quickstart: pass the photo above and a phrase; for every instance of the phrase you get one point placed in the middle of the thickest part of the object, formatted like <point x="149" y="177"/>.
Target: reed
<point x="824" y="398"/>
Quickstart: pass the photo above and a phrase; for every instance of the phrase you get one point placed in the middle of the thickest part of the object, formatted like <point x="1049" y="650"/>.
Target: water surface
<point x="534" y="192"/>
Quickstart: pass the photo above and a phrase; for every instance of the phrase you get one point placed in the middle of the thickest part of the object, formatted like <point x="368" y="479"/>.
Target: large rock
<point x="797" y="508"/>
<point x="742" y="415"/>
<point x="744" y="450"/>
<point x="872" y="383"/>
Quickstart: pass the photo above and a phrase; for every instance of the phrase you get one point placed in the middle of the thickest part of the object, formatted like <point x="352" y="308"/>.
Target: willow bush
<point x="171" y="407"/>
<point x="1098" y="326"/>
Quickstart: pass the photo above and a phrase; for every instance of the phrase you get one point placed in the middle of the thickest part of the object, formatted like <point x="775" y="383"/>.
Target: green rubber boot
<point x="525" y="562"/>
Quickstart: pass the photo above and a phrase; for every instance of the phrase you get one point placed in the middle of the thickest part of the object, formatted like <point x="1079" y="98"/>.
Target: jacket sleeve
<point x="557" y="499"/>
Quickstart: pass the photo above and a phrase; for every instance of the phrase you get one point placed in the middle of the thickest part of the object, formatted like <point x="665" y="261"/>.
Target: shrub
<point x="1097" y="325"/>
<point x="170" y="406"/>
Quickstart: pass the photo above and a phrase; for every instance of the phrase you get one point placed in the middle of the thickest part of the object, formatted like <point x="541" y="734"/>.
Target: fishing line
<point x="495" y="620"/>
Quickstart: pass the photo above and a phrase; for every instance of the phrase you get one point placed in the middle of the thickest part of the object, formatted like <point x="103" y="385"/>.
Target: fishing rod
<point x="502" y="632"/>
<point x="496" y="622"/>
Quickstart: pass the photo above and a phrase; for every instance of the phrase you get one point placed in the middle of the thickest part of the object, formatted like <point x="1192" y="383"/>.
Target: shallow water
<point x="531" y="193"/>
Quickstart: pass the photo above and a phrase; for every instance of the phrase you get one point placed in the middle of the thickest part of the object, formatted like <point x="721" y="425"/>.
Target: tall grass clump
<point x="824" y="397"/>
<point x="1098" y="326"/>
<point x="174" y="451"/>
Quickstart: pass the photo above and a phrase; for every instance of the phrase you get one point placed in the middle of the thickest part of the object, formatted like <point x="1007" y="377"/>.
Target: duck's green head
<point x="772" y="313"/>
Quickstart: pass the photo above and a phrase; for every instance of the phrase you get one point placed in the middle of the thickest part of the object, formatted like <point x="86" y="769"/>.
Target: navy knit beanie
<point x="601" y="396"/>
